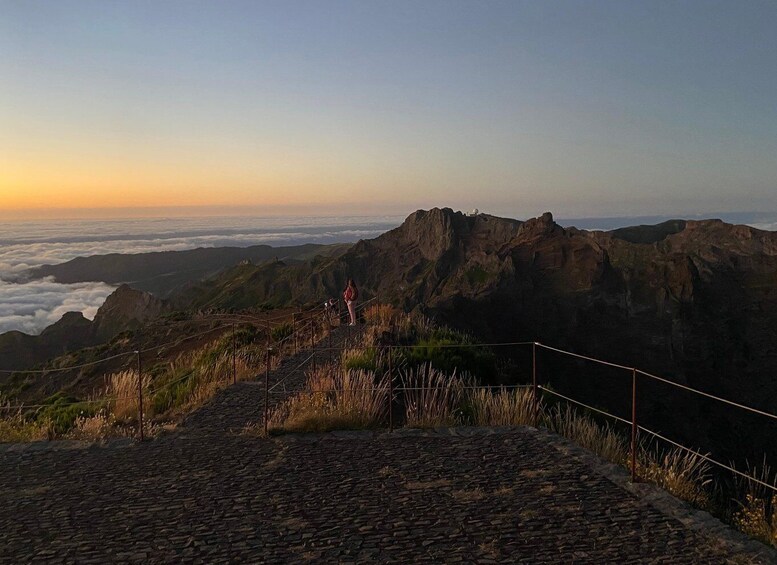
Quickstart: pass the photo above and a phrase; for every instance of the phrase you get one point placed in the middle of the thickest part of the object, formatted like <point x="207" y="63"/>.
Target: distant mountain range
<point x="161" y="273"/>
<point x="692" y="300"/>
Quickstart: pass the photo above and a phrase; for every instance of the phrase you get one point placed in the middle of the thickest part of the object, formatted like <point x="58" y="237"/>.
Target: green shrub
<point x="176" y="394"/>
<point x="61" y="411"/>
<point x="440" y="351"/>
<point x="281" y="332"/>
<point x="360" y="359"/>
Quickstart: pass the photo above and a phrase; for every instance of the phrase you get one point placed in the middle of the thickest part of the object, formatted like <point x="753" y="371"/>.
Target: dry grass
<point x="424" y="326"/>
<point x="94" y="427"/>
<point x="503" y="408"/>
<point x="14" y="427"/>
<point x="432" y="398"/>
<point x="757" y="512"/>
<point x="490" y="548"/>
<point x="755" y="518"/>
<point x="684" y="474"/>
<point x="195" y="377"/>
<point x="122" y="390"/>
<point x="382" y="315"/>
<point x="334" y="400"/>
<point x="603" y="441"/>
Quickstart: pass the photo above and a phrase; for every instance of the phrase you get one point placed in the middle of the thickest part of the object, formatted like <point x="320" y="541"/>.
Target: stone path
<point x="243" y="404"/>
<point x="211" y="494"/>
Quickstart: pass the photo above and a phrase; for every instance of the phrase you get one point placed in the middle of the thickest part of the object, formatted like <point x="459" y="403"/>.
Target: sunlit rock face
<point x="125" y="309"/>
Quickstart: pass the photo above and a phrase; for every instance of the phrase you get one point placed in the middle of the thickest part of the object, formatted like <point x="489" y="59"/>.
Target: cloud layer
<point x="31" y="306"/>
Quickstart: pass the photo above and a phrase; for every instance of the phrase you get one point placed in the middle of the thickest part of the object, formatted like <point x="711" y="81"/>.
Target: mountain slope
<point x="692" y="300"/>
<point x="162" y="272"/>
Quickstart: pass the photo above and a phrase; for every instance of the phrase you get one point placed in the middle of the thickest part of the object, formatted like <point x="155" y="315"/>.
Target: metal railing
<point x="303" y="325"/>
<point x="631" y="377"/>
<point x="304" y="329"/>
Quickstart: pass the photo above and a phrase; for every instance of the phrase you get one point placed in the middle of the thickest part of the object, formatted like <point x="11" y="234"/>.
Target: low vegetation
<point x="334" y="399"/>
<point x="170" y="389"/>
<point x="16" y="427"/>
<point x="757" y="517"/>
<point x="683" y="473"/>
<point x="431" y="398"/>
<point x="503" y="407"/>
<point x="756" y="512"/>
<point x="281" y="332"/>
<point x="584" y="431"/>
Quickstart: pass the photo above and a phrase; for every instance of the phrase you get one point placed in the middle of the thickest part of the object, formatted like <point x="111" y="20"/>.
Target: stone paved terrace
<point x="211" y="494"/>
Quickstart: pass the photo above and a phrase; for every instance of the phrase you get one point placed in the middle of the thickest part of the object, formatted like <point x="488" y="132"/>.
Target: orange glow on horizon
<point x="28" y="184"/>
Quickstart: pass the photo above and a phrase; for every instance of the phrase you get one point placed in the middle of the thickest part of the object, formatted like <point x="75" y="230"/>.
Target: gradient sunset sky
<point x="585" y="108"/>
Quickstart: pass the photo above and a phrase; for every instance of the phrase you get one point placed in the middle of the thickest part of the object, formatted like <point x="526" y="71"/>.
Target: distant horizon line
<point x="273" y="212"/>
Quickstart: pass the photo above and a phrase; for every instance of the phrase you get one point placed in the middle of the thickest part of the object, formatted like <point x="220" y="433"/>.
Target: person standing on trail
<point x="350" y="294"/>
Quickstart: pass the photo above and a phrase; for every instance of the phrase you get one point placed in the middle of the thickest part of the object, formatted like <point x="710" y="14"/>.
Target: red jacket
<point x="350" y="294"/>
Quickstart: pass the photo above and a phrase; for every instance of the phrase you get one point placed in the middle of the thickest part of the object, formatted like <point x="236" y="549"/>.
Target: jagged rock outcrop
<point x="125" y="309"/>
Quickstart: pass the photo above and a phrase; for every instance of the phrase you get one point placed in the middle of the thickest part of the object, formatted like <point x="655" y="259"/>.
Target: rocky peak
<point x="126" y="308"/>
<point x="433" y="230"/>
<point x="70" y="321"/>
<point x="541" y="226"/>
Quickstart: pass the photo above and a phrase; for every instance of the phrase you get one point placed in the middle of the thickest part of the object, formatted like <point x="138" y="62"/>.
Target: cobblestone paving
<point x="222" y="497"/>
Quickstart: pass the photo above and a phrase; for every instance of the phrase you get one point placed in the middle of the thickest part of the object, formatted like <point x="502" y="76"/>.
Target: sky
<point x="585" y="108"/>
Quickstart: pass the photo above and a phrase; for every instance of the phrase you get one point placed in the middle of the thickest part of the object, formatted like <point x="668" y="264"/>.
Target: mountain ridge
<point x="695" y="301"/>
<point x="162" y="272"/>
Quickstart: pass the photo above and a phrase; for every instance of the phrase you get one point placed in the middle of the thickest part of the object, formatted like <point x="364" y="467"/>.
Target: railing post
<point x="140" y="396"/>
<point x="294" y="330"/>
<point x="312" y="351"/>
<point x="267" y="390"/>
<point x="535" y="390"/>
<point x="633" y="425"/>
<point x="391" y="391"/>
<point x="234" y="355"/>
<point x="329" y="339"/>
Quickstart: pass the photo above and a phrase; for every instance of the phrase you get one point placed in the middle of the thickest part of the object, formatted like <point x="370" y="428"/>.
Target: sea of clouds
<point x="32" y="305"/>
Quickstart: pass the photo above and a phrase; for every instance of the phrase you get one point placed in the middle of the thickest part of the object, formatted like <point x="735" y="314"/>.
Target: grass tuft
<point x="122" y="389"/>
<point x="432" y="398"/>
<point x="602" y="440"/>
<point x="502" y="408"/>
<point x="756" y="514"/>
<point x="334" y="400"/>
<point x="381" y="315"/>
<point x="684" y="474"/>
<point x="15" y="427"/>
